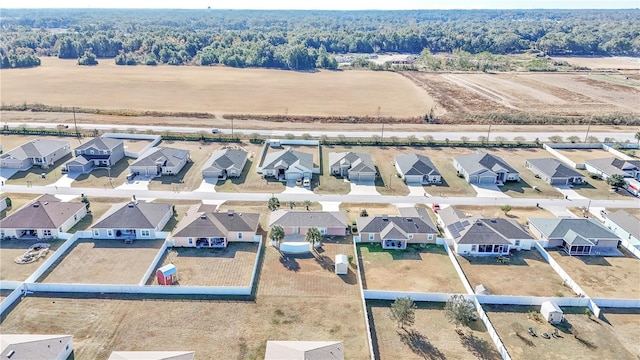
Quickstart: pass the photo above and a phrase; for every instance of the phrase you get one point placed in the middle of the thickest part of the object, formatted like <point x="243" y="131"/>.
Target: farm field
<point x="10" y="249"/>
<point x="432" y="336"/>
<point x="535" y="276"/>
<point x="599" y="340"/>
<point x="225" y="329"/>
<point x="214" y="89"/>
<point x="103" y="262"/>
<point x="231" y="266"/>
<point x="603" y="276"/>
<point x="570" y="94"/>
<point x="409" y="270"/>
<point x="614" y="62"/>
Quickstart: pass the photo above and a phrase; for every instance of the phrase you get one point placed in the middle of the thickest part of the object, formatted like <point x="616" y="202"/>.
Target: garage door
<point x="366" y="177"/>
<point x="487" y="180"/>
<point x="75" y="168"/>
<point x="558" y="181"/>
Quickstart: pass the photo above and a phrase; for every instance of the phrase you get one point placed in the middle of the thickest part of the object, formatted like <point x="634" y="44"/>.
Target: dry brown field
<point x="373" y="209"/>
<point x="603" y="276"/>
<point x="135" y="145"/>
<point x="103" y="262"/>
<point x="624" y="322"/>
<point x="432" y="337"/>
<point x="519" y="213"/>
<point x="409" y="270"/>
<point x="214" y="89"/>
<point x="614" y="62"/>
<point x="600" y="340"/>
<point x="10" y="249"/>
<point x="535" y="276"/>
<point x="580" y="155"/>
<point x="98" y="207"/>
<point x="214" y="329"/>
<point x="543" y="93"/>
<point x="231" y="266"/>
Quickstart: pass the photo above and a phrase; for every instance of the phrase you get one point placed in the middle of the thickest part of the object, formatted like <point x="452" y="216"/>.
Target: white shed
<point x="342" y="264"/>
<point x="551" y="312"/>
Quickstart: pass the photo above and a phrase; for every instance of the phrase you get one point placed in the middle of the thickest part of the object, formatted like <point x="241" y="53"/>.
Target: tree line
<point x="303" y="40"/>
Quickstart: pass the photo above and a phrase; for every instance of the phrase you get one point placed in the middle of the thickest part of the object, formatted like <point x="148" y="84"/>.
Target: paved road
<point x="437" y="135"/>
<point x="283" y="197"/>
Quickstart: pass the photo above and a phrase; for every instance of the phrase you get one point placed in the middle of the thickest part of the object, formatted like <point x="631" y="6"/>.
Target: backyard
<point x="10" y="249"/>
<point x="603" y="276"/>
<point x="231" y="266"/>
<point x="103" y="262"/>
<point x="519" y="214"/>
<point x="534" y="275"/>
<point x="409" y="270"/>
<point x="98" y="206"/>
<point x="432" y="336"/>
<point x="595" y="339"/>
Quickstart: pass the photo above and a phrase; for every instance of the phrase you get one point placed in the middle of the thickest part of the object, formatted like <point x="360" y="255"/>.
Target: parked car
<point x="435" y="207"/>
<point x="215" y="131"/>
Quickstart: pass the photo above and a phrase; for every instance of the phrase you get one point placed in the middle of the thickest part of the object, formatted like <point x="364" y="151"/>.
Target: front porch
<point x="214" y="242"/>
<point x="394" y="244"/>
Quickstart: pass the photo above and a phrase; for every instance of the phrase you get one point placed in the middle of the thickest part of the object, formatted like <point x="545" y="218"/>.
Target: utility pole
<point x="382" y="133"/>
<point x="587" y="136"/>
<point x="231" y="127"/>
<point x="75" y="123"/>
<point x="488" y="132"/>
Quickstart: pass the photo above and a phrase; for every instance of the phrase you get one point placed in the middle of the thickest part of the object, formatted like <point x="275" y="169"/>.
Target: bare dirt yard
<point x="614" y="62"/>
<point x="535" y="276"/>
<point x="409" y="270"/>
<point x="225" y="329"/>
<point x="519" y="214"/>
<point x="624" y="322"/>
<point x="135" y="145"/>
<point x="595" y="339"/>
<point x="103" y="262"/>
<point x="373" y="209"/>
<point x="231" y="266"/>
<point x="10" y="249"/>
<point x="580" y="155"/>
<point x="432" y="336"/>
<point x="603" y="276"/>
<point x="526" y="187"/>
<point x="215" y="89"/>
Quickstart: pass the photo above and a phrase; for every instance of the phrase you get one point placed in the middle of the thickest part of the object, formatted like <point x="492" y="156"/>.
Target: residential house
<point x="554" y="172"/>
<point x="353" y="166"/>
<point x="44" y="218"/>
<point x="288" y="164"/>
<point x="32" y="346"/>
<point x="625" y="225"/>
<point x="483" y="168"/>
<point x="160" y="161"/>
<point x="297" y="223"/>
<point x="133" y="220"/>
<point x="610" y="166"/>
<point x="152" y="355"/>
<point x="39" y="152"/>
<point x="412" y="226"/>
<point x="208" y="229"/>
<point x="225" y="163"/>
<point x="417" y="169"/>
<point x="476" y="235"/>
<point x="575" y="236"/>
<point x="304" y="350"/>
<point x="97" y="152"/>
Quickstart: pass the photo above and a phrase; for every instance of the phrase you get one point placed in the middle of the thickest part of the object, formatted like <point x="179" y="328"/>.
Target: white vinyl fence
<point x="461" y="275"/>
<point x="630" y="248"/>
<point x="616" y="153"/>
<point x="617" y="303"/>
<point x="55" y="256"/>
<point x="154" y="263"/>
<point x="137" y="289"/>
<point x="155" y="139"/>
<point x="10" y="285"/>
<point x="9" y="300"/>
<point x="415" y="296"/>
<point x="364" y="302"/>
<point x="502" y="350"/>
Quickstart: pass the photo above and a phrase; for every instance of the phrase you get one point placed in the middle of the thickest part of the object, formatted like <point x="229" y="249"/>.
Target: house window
<point x="105" y="152"/>
<point x="474" y="248"/>
<point x="430" y="236"/>
<point x="410" y="236"/>
<point x="91" y="152"/>
<point x="372" y="236"/>
<point x="323" y="231"/>
<point x="96" y="232"/>
<point x="109" y="232"/>
<point x="46" y="232"/>
<point x="190" y="241"/>
<point x="145" y="233"/>
<point x="517" y="243"/>
<point x="239" y="236"/>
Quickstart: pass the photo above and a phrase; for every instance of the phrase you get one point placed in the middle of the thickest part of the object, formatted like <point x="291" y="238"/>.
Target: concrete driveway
<point x="363" y="188"/>
<point x="138" y="183"/>
<point x="66" y="180"/>
<point x="417" y="190"/>
<point x="208" y="185"/>
<point x="569" y="193"/>
<point x="489" y="191"/>
<point x="330" y="205"/>
<point x="292" y="188"/>
<point x="561" y="212"/>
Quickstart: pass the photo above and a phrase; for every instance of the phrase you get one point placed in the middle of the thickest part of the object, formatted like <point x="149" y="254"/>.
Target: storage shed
<point x="342" y="264"/>
<point x="167" y="275"/>
<point x="481" y="290"/>
<point x="551" y="312"/>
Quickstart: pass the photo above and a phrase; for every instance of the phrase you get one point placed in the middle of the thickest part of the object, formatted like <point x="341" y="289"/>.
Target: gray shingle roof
<point x="358" y="162"/>
<point x="324" y="219"/>
<point x="552" y="228"/>
<point x="225" y="159"/>
<point x="133" y="215"/>
<point x="45" y="212"/>
<point x="573" y="238"/>
<point x="32" y="346"/>
<point x="481" y="161"/>
<point x="287" y="158"/>
<point x="164" y="156"/>
<point x="408" y="224"/>
<point x="613" y="165"/>
<point x="554" y="168"/>
<point x="416" y="164"/>
<point x="215" y="224"/>
<point x="152" y="355"/>
<point x="479" y="230"/>
<point x="626" y="221"/>
<point x="35" y="148"/>
<point x="100" y="143"/>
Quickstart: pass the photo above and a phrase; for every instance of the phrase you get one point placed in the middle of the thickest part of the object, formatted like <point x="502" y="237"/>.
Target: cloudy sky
<point x="329" y="4"/>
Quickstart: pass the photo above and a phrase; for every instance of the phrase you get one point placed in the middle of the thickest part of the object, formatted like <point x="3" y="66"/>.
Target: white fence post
<point x="491" y="330"/>
<point x="154" y="263"/>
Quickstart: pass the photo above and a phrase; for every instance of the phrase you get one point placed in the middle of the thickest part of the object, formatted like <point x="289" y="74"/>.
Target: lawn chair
<point x="546" y="336"/>
<point x="556" y="335"/>
<point x="532" y="332"/>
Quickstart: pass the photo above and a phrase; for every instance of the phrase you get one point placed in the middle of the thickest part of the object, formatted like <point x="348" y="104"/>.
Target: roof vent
<point x="203" y="216"/>
<point x="493" y="221"/>
<point x="130" y="205"/>
<point x="46" y="203"/>
<point x="35" y="205"/>
<point x="409" y="219"/>
<point x="230" y="212"/>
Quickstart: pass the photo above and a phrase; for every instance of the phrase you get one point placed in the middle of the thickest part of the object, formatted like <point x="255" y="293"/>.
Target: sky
<point x="329" y="4"/>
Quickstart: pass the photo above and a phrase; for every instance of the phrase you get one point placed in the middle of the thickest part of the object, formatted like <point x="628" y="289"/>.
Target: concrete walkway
<point x="330" y="205"/>
<point x="138" y="183"/>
